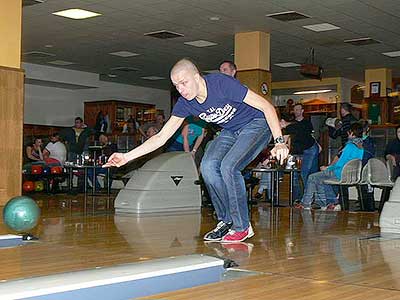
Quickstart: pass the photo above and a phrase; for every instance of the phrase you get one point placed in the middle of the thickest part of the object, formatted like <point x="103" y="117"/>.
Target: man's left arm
<point x="280" y="150"/>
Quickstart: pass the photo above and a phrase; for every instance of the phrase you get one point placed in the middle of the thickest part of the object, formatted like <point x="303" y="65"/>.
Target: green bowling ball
<point x="39" y="186"/>
<point x="21" y="214"/>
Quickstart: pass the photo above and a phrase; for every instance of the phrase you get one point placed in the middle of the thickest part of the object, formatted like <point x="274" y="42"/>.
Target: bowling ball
<point x="21" y="214"/>
<point x="28" y="186"/>
<point x="56" y="170"/>
<point x="46" y="171"/>
<point x="39" y="186"/>
<point x="36" y="169"/>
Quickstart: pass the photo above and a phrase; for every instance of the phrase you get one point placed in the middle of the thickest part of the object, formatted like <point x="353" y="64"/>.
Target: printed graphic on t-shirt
<point x="219" y="115"/>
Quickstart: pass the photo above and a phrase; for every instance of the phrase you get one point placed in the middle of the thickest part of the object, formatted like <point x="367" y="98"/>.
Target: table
<point x="275" y="182"/>
<point x="70" y="168"/>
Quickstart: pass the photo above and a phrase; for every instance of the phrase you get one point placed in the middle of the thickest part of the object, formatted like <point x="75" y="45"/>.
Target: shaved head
<point x="186" y="78"/>
<point x="184" y="65"/>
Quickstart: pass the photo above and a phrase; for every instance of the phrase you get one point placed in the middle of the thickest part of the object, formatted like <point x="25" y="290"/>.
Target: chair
<point x="378" y="175"/>
<point x="389" y="166"/>
<point x="351" y="176"/>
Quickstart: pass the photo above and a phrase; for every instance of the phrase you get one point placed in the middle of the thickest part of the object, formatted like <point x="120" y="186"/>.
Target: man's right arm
<point x="153" y="143"/>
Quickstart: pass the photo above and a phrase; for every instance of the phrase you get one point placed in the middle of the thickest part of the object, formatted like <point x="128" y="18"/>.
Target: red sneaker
<point x="240" y="248"/>
<point x="238" y="236"/>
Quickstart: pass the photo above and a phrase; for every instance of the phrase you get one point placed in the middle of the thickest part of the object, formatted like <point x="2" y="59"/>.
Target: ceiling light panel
<point x="392" y="53"/>
<point x="164" y="34"/>
<point x="153" y="78"/>
<point x="61" y="63"/>
<point x="287" y="65"/>
<point x="38" y="54"/>
<point x="362" y="41"/>
<point x="288" y="16"/>
<point x="124" y="53"/>
<point x="200" y="43"/>
<point x="212" y="71"/>
<point x="321" y="27"/>
<point x="76" y="14"/>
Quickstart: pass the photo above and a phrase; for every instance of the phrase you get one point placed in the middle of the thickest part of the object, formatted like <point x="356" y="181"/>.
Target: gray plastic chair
<point x="389" y="166"/>
<point x="351" y="176"/>
<point x="378" y="176"/>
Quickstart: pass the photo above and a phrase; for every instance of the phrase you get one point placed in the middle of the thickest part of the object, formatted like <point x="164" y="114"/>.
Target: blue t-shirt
<point x="223" y="106"/>
<point x="350" y="151"/>
<point x="194" y="131"/>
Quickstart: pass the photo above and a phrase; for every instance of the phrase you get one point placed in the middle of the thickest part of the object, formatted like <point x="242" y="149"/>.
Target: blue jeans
<point x="309" y="166"/>
<point x="323" y="193"/>
<point x="175" y="146"/>
<point x="265" y="184"/>
<point x="221" y="168"/>
<point x="99" y="170"/>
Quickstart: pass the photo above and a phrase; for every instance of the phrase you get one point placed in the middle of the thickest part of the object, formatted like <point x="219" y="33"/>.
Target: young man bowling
<point x="248" y="122"/>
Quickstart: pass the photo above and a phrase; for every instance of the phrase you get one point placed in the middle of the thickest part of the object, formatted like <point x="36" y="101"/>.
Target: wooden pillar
<point x="252" y="58"/>
<point x="11" y="100"/>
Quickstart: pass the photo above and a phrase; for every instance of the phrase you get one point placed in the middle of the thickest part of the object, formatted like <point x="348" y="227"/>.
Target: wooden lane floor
<point x="301" y="253"/>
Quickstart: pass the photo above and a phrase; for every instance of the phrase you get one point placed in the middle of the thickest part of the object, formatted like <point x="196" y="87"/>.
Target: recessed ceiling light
<point x="200" y="43"/>
<point x="212" y="71"/>
<point x="287" y="16"/>
<point x="321" y="27"/>
<point x="152" y="78"/>
<point x="38" y="54"/>
<point x="125" y="69"/>
<point x="61" y="62"/>
<point x="48" y="46"/>
<point x="287" y="65"/>
<point x="311" y="92"/>
<point x="124" y="53"/>
<point x="392" y="54"/>
<point x="362" y="41"/>
<point x="76" y="13"/>
<point x="164" y="34"/>
<point x="215" y="18"/>
<point x="350" y="58"/>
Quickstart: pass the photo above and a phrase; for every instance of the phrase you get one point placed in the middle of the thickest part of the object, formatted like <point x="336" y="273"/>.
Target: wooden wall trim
<point x="11" y="124"/>
<point x="12" y="69"/>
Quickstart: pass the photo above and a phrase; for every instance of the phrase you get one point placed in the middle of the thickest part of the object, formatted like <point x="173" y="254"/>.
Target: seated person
<point x="392" y="153"/>
<point x="108" y="148"/>
<point x="34" y="151"/>
<point x="56" y="150"/>
<point x="158" y="124"/>
<point x="151" y="131"/>
<point x="190" y="137"/>
<point x="323" y="194"/>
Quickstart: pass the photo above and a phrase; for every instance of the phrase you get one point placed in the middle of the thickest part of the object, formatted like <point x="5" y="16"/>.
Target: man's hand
<point x="116" y="160"/>
<point x="280" y="151"/>
<point x="323" y="168"/>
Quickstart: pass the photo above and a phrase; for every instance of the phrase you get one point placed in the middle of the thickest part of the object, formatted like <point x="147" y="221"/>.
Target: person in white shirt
<point x="56" y="149"/>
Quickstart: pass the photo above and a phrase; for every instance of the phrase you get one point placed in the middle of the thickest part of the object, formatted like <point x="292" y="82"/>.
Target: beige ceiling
<point x="123" y="23"/>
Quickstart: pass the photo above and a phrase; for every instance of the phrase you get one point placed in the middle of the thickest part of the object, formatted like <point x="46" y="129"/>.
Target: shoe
<point x="238" y="236"/>
<point x="241" y="248"/>
<point x="331" y="207"/>
<point x="315" y="206"/>
<point x="258" y="196"/>
<point x="218" y="232"/>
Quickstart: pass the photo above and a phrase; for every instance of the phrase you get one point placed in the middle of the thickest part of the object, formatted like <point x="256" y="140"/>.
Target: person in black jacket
<point x="347" y="119"/>
<point x="76" y="138"/>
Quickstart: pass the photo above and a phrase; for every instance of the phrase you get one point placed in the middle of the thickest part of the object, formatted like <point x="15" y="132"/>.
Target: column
<point x="11" y="100"/>
<point x="252" y="58"/>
